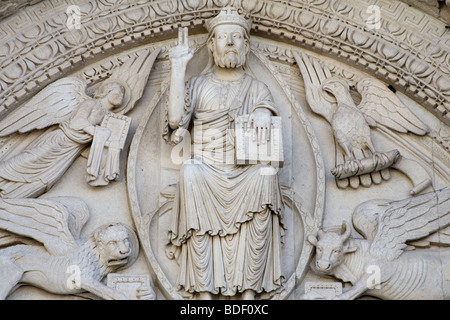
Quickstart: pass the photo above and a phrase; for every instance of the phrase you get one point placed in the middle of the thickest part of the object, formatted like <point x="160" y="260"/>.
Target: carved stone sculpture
<point x="63" y="264"/>
<point x="381" y="264"/>
<point x="227" y="219"/>
<point x="74" y="120"/>
<point x="337" y="96"/>
<point x="136" y="287"/>
<point x="330" y="96"/>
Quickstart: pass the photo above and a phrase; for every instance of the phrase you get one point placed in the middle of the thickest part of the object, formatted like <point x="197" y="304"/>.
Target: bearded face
<point x="229" y="46"/>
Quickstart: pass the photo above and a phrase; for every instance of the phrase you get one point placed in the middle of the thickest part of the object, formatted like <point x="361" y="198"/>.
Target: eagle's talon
<point x="354" y="165"/>
<point x="360" y="165"/>
<point x="380" y="158"/>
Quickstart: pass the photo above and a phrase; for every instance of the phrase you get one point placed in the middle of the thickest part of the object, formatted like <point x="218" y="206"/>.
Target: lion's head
<point x="117" y="246"/>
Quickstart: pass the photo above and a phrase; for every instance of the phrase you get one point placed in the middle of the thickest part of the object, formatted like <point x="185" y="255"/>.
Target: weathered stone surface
<point x="103" y="105"/>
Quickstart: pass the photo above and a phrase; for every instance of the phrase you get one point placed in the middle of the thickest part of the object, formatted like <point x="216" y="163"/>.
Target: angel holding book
<point x="55" y="126"/>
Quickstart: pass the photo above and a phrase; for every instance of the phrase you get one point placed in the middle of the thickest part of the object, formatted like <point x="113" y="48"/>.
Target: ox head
<point x="331" y="247"/>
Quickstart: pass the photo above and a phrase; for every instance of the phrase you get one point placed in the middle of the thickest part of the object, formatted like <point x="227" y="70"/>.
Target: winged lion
<point x="55" y="251"/>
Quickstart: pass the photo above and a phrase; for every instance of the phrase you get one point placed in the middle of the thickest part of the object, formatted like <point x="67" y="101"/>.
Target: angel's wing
<point x="398" y="222"/>
<point x="382" y="107"/>
<point x="52" y="105"/>
<point x="55" y="222"/>
<point x="314" y="74"/>
<point x="134" y="73"/>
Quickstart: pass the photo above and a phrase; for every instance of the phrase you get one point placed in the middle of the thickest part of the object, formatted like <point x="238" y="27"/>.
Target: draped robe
<point x="39" y="166"/>
<point x="227" y="218"/>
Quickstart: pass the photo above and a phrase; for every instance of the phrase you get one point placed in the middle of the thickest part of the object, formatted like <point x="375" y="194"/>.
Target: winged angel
<point x="388" y="263"/>
<point x="72" y="121"/>
<point x="330" y="96"/>
<point x="55" y="259"/>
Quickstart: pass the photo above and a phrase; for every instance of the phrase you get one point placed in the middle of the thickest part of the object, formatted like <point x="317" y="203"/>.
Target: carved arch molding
<point x="410" y="51"/>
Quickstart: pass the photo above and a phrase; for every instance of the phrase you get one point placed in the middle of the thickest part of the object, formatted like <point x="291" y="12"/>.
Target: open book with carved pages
<point x="103" y="161"/>
<point x="248" y="151"/>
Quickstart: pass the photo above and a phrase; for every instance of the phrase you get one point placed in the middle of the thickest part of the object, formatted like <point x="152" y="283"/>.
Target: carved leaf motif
<point x="32" y="34"/>
<point x="342" y="8"/>
<point x="134" y="17"/>
<point x="194" y="4"/>
<point x="277" y="11"/>
<point x="15" y="71"/>
<point x="221" y="3"/>
<point x="318" y="2"/>
<point x="394" y="29"/>
<point x="5" y="51"/>
<point x="252" y="6"/>
<point x="442" y="84"/>
<point x="359" y="38"/>
<point x="306" y="19"/>
<point x="103" y="26"/>
<point x="167" y="7"/>
<point x="332" y="27"/>
<point x="77" y="36"/>
<point x="418" y="68"/>
<point x="46" y="52"/>
<point x="414" y="40"/>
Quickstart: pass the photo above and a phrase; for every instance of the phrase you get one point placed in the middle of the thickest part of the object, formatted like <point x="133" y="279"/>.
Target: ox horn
<point x="345" y="233"/>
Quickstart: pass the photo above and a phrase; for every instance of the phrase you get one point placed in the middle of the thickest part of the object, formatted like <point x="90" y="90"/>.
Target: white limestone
<point x="99" y="120"/>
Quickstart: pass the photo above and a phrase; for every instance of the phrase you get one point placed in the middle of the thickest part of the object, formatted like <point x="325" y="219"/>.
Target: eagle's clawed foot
<point x="354" y="165"/>
<point x="380" y="158"/>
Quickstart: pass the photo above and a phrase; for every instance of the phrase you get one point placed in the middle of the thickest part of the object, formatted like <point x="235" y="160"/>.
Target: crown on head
<point x="228" y="16"/>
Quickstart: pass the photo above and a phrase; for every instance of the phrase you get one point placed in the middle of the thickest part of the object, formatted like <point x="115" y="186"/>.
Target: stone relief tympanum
<point x="355" y="107"/>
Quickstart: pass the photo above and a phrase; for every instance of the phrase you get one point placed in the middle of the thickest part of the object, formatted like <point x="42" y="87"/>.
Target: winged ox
<point x="403" y="253"/>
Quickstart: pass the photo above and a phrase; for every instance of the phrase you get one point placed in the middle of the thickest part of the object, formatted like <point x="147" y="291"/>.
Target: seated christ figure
<point x="227" y="218"/>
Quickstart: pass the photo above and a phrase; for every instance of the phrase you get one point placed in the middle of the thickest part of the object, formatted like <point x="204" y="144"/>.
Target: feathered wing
<point x="441" y="238"/>
<point x="382" y="107"/>
<point x="51" y="221"/>
<point x="314" y="74"/>
<point x="78" y="213"/>
<point x="52" y="105"/>
<point x="365" y="217"/>
<point x="134" y="73"/>
<point x="407" y="220"/>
